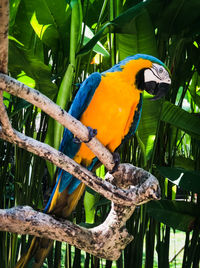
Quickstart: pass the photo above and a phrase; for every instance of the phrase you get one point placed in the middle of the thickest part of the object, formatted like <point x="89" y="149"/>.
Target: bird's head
<point x="155" y="80"/>
<point x="146" y="72"/>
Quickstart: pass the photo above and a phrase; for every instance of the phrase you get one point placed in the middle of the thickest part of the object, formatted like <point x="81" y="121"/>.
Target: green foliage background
<point x="51" y="46"/>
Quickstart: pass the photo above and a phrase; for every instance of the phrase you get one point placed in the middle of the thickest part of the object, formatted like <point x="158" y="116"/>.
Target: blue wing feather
<point x="79" y="105"/>
<point x="67" y="146"/>
<point x="84" y="95"/>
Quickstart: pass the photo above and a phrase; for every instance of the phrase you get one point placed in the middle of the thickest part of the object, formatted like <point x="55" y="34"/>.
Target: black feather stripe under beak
<point x="151" y="87"/>
<point x="160" y="91"/>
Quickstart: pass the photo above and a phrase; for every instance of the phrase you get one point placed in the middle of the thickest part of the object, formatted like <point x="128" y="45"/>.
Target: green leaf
<point x="21" y="28"/>
<point x="149" y="123"/>
<point x="183" y="162"/>
<point x="75" y="31"/>
<point x="50" y="21"/>
<point x="188" y="180"/>
<point x="46" y="32"/>
<point x="89" y="45"/>
<point x="14" y="4"/>
<point x="125" y="21"/>
<point x="171" y="21"/>
<point x="89" y="204"/>
<point x="6" y="98"/>
<point x="180" y="215"/>
<point x="98" y="48"/>
<point x="142" y="37"/>
<point x="176" y="116"/>
<point x="23" y="60"/>
<point x="134" y="21"/>
<point x="91" y="198"/>
<point x="25" y="79"/>
<point x="193" y="88"/>
<point x="49" y="139"/>
<point x="21" y="104"/>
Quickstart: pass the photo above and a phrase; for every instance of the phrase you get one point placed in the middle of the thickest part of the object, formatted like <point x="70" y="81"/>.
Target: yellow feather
<point x="112" y="107"/>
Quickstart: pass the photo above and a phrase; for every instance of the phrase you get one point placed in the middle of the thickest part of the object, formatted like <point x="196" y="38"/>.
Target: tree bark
<point x="104" y="241"/>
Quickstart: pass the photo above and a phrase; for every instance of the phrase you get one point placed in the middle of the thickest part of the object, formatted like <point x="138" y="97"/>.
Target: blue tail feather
<point x="67" y="180"/>
<point x="51" y="197"/>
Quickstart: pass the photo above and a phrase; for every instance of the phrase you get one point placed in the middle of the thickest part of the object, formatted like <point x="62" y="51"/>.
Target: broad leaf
<point x="179" y="215"/>
<point x="148" y="124"/>
<point x="172" y="22"/>
<point x="14" y="4"/>
<point x="183" y="162"/>
<point x="98" y="48"/>
<point x="188" y="180"/>
<point x="89" y="45"/>
<point x="49" y="21"/>
<point x="141" y="39"/>
<point x="176" y="116"/>
<point x="21" y="59"/>
<point x="127" y="23"/>
<point x="193" y="88"/>
<point x="21" y="28"/>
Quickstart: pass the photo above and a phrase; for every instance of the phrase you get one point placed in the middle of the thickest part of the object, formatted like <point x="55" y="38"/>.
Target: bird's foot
<point x="116" y="158"/>
<point x="76" y="140"/>
<point x="92" y="132"/>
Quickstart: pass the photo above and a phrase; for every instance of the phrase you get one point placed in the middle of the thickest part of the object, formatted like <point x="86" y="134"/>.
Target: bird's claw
<point x="92" y="132"/>
<point x="76" y="140"/>
<point x="116" y="158"/>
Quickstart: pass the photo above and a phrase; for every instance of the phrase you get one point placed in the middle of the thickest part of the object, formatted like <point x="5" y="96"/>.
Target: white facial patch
<point x="157" y="73"/>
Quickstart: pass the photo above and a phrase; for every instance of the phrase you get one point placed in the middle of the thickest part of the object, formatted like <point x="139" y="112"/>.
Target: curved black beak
<point x="158" y="90"/>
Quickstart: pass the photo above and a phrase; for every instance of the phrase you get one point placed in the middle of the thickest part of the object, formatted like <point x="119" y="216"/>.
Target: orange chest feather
<point x="111" y="112"/>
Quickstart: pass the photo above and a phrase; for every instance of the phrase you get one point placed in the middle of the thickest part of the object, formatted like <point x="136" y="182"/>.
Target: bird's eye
<point x="160" y="70"/>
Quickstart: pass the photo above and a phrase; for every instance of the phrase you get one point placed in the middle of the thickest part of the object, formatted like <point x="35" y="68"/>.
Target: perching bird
<point x="110" y="103"/>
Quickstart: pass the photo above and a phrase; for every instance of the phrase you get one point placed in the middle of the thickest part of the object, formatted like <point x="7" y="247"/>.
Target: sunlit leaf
<point x="21" y="59"/>
<point x="89" y="45"/>
<point x="49" y="20"/>
<point x="98" y="48"/>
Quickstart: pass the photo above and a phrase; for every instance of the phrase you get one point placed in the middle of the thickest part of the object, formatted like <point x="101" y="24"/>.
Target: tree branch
<point x="4" y="20"/>
<point x="33" y="96"/>
<point x="111" y="192"/>
<point x="104" y="241"/>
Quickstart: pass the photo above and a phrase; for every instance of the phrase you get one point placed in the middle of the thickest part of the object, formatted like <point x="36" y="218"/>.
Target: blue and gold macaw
<point x="110" y="103"/>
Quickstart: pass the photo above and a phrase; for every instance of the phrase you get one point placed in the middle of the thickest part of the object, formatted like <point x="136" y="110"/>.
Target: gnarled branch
<point x="104" y="241"/>
<point x="108" y="190"/>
